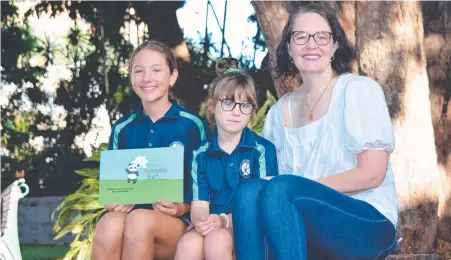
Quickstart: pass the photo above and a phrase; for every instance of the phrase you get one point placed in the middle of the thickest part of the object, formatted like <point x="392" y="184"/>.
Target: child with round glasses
<point x="234" y="155"/>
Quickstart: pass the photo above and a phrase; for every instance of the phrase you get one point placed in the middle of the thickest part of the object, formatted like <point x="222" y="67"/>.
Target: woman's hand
<point x="119" y="208"/>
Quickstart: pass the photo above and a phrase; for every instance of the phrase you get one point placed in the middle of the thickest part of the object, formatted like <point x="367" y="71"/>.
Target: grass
<point x="43" y="252"/>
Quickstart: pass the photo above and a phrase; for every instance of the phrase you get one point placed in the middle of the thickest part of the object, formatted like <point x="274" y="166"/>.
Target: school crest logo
<point x="245" y="168"/>
<point x="176" y="144"/>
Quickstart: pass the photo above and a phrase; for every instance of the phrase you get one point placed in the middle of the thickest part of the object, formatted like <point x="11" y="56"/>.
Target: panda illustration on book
<point x="133" y="167"/>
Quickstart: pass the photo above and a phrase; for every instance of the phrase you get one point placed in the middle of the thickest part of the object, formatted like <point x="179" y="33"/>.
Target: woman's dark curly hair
<point x="342" y="56"/>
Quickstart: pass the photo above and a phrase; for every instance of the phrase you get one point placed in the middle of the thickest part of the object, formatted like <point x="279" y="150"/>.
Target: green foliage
<point x="79" y="212"/>
<point x="95" y="60"/>
<point x="257" y="123"/>
<point x="18" y="45"/>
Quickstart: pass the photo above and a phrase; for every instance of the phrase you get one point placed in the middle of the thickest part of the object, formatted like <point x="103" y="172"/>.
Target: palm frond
<point x="256" y="124"/>
<point x="79" y="212"/>
<point x="88" y="172"/>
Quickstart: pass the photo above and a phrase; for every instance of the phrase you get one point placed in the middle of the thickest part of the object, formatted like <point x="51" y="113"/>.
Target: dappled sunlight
<point x="437" y="46"/>
<point x="374" y="53"/>
<point x="445" y="202"/>
<point x="405" y="31"/>
<point x="376" y="60"/>
<point x="402" y="22"/>
<point x="414" y="136"/>
<point x="391" y="52"/>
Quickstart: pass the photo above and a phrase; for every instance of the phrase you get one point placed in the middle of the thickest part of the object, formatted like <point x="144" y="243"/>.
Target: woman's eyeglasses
<point x="301" y="38"/>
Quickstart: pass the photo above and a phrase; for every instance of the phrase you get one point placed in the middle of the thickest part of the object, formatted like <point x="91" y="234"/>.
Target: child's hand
<point x="217" y="220"/>
<point x="119" y="208"/>
<point x="205" y="225"/>
<point x="168" y="208"/>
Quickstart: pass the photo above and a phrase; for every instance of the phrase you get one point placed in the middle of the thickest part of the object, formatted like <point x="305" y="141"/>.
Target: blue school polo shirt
<point x="216" y="174"/>
<point x="178" y="127"/>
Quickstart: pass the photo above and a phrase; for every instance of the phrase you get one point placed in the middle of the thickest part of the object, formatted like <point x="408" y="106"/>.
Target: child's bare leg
<point x="218" y="244"/>
<point x="150" y="234"/>
<point x="108" y="237"/>
<point x="190" y="247"/>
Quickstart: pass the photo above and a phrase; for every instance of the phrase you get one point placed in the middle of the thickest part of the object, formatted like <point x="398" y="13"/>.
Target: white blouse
<point x="357" y="120"/>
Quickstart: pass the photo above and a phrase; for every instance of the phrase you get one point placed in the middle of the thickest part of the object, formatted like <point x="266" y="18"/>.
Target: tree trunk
<point x="437" y="42"/>
<point x="389" y="37"/>
<point x="161" y="19"/>
<point x="348" y="22"/>
<point x="272" y="17"/>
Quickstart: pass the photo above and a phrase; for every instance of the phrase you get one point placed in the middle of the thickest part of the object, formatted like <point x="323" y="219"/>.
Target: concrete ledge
<point x="413" y="257"/>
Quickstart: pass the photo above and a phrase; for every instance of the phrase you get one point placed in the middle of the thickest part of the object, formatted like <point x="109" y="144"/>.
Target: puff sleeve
<point x="367" y="122"/>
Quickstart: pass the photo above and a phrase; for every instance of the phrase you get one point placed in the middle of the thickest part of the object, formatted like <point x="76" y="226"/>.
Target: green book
<point x="140" y="176"/>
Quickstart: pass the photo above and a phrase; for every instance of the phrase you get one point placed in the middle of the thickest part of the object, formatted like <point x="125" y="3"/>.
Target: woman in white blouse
<point x="335" y="197"/>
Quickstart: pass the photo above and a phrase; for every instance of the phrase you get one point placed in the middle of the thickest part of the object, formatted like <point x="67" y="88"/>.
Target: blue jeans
<point x="302" y="219"/>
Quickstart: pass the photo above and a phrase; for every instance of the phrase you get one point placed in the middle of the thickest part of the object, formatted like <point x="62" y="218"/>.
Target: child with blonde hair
<point x="234" y="155"/>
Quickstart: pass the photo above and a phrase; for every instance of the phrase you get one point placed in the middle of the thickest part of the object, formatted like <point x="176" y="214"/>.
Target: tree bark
<point x="437" y="42"/>
<point x="161" y="19"/>
<point x="389" y="37"/>
<point x="272" y="17"/>
<point x="348" y="22"/>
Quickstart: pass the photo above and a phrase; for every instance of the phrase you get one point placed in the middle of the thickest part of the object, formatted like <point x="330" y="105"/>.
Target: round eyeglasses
<point x="321" y="38"/>
<point x="229" y="105"/>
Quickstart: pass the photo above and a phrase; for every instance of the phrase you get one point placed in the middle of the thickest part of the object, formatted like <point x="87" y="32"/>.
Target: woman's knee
<point x="282" y="185"/>
<point x="110" y="230"/>
<point x="249" y="191"/>
<point x="218" y="243"/>
<point x="190" y="247"/>
<point x="140" y="224"/>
